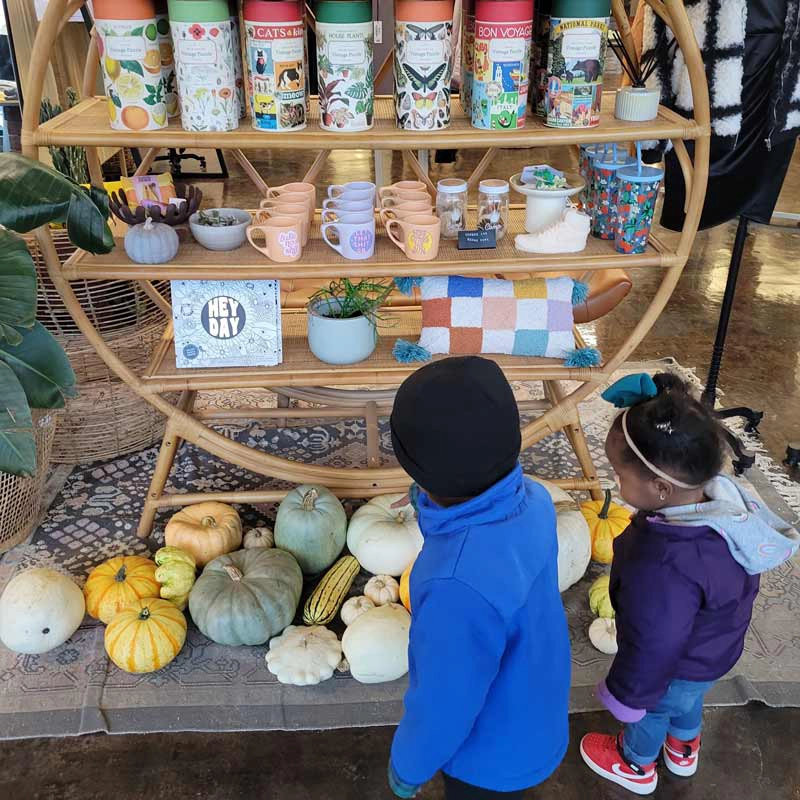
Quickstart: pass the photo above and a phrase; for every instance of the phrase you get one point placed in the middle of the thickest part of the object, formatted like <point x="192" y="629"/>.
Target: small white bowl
<point x="227" y="238"/>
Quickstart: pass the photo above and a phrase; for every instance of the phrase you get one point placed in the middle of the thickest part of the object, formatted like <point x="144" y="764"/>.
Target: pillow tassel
<point x="583" y="357"/>
<point x="408" y="352"/>
<point x="580" y="291"/>
<point x="406" y="285"/>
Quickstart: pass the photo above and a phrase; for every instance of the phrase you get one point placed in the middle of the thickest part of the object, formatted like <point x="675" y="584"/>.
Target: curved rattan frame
<point x="182" y="424"/>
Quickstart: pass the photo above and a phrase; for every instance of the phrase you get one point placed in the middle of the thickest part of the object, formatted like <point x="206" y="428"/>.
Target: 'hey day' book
<point x="227" y="323"/>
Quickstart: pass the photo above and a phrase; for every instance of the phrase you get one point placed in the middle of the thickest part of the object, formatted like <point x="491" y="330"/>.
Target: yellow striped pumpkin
<point x="117" y="583"/>
<point x="146" y="635"/>
<point x="326" y="600"/>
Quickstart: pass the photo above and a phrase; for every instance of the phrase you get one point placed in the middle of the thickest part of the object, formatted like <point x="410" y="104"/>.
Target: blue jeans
<point x="679" y="713"/>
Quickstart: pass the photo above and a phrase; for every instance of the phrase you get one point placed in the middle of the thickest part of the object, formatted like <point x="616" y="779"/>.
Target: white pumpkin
<point x="151" y="243"/>
<point x="258" y="537"/>
<point x="39" y="610"/>
<point x="354" y="607"/>
<point x="574" y="538"/>
<point x="603" y="635"/>
<point x="304" y="656"/>
<point x="376" y="644"/>
<point x="382" y="589"/>
<point x="385" y="540"/>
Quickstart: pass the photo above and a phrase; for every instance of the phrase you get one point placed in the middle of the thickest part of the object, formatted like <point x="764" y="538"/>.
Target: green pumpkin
<point x="246" y="597"/>
<point x="312" y="525"/>
<point x="599" y="598"/>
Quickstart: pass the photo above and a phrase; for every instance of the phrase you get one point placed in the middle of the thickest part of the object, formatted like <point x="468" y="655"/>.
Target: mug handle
<point x="328" y="216"/>
<point x="323" y="232"/>
<point x="399" y="242"/>
<point x="386" y="214"/>
<point x="335" y="190"/>
<point x="384" y="191"/>
<point x="249" y="232"/>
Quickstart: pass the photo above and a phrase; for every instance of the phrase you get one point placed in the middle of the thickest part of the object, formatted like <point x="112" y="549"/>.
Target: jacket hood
<point x="495" y="504"/>
<point x="757" y="539"/>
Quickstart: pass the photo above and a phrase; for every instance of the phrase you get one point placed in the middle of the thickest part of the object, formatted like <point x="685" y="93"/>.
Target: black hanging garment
<point x="748" y="167"/>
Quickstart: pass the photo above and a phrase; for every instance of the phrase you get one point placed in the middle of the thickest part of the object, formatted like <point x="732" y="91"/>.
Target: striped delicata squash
<point x="327" y="598"/>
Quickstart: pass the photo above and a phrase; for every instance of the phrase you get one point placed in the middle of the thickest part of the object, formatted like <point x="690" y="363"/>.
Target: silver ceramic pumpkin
<point x="151" y="243"/>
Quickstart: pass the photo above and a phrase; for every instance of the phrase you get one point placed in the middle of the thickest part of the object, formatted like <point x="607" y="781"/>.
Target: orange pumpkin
<point x="206" y="530"/>
<point x="146" y="635"/>
<point x="117" y="583"/>
<point x="606" y="520"/>
<point x="405" y="588"/>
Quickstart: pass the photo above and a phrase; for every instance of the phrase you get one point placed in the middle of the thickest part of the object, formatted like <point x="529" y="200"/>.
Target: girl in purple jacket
<point x="683" y="579"/>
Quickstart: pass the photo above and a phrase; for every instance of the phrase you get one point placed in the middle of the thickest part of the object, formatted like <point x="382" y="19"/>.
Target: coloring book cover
<point x="227" y="323"/>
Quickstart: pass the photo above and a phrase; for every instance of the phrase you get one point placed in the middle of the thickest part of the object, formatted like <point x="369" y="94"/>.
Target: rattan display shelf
<point x="87" y="124"/>
<point x="194" y="262"/>
<point x="301" y="368"/>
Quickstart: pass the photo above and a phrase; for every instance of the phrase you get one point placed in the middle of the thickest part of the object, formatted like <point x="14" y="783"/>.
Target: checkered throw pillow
<point x="470" y="316"/>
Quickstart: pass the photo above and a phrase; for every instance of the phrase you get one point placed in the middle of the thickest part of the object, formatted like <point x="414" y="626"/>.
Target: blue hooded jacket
<point x="489" y="655"/>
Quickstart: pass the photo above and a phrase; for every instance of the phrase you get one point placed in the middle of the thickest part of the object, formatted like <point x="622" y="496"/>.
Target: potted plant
<point x="343" y="319"/>
<point x="220" y="228"/>
<point x="35" y="373"/>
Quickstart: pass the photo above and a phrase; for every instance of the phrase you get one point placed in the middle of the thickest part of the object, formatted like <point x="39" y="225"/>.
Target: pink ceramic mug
<point x="402" y="186"/>
<point x="404" y="196"/>
<point x="307" y="190"/>
<point x="418" y="236"/>
<point x="298" y="211"/>
<point x="282" y="238"/>
<point x="406" y="209"/>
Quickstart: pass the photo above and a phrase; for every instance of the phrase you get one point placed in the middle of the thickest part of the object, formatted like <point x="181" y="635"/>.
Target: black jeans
<point x="458" y="790"/>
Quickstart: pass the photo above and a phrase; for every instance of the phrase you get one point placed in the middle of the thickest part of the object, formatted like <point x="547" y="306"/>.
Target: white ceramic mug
<point x="333" y="209"/>
<point x="339" y="189"/>
<point x="355" y="234"/>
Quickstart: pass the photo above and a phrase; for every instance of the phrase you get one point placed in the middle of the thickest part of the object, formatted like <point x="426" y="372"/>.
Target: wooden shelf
<point x="87" y="125"/>
<point x="301" y="368"/>
<point x="194" y="262"/>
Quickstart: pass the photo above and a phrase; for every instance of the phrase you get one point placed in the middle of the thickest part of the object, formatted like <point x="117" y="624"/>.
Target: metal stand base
<point x="175" y="157"/>
<point x="744" y="459"/>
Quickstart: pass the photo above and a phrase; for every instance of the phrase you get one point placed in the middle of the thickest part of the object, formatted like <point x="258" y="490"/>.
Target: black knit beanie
<point x="455" y="426"/>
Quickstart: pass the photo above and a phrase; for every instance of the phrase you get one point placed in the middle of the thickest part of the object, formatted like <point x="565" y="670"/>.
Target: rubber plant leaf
<point x="17" y="286"/>
<point x="32" y="195"/>
<point x="17" y="445"/>
<point x="41" y="366"/>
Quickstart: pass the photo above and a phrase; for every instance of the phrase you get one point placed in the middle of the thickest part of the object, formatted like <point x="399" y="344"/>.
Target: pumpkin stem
<point x="144" y="613"/>
<point x="606" y="505"/>
<point x="401" y="517"/>
<point x="208" y="522"/>
<point x="121" y="574"/>
<point x="233" y="573"/>
<point x="310" y="499"/>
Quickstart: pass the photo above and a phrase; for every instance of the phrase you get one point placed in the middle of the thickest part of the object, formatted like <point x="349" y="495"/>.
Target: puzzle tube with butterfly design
<point x="423" y="44"/>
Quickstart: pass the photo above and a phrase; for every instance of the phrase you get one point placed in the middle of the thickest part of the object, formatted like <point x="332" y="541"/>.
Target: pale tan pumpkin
<point x="206" y="530"/>
<point x="146" y="635"/>
<point x="117" y="583"/>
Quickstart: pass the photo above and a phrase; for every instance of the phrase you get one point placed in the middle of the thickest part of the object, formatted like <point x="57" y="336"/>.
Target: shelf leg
<point x="383" y="167"/>
<point x="316" y="167"/>
<point x="410" y="160"/>
<point x="373" y="435"/>
<point x="577" y="439"/>
<point x="166" y="458"/>
<point x="147" y="161"/>
<point x="251" y="171"/>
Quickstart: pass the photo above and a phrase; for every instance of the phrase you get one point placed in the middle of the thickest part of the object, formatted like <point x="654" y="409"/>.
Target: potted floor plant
<point x="35" y="373"/>
<point x="343" y="320"/>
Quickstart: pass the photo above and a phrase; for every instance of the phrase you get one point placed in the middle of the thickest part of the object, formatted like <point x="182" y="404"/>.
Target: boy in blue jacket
<point x="489" y="658"/>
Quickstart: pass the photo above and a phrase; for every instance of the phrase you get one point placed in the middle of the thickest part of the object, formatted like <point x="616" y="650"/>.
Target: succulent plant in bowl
<point x="220" y="228"/>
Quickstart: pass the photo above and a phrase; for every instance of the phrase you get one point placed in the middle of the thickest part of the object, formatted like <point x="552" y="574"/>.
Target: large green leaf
<point x="32" y="194"/>
<point x="41" y="367"/>
<point x="17" y="285"/>
<point x="17" y="445"/>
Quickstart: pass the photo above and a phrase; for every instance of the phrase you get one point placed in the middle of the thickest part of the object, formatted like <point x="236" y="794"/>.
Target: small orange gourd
<point x="606" y="521"/>
<point x="405" y="588"/>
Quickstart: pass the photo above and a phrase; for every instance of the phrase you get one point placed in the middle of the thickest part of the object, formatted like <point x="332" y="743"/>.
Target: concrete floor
<point x="749" y="752"/>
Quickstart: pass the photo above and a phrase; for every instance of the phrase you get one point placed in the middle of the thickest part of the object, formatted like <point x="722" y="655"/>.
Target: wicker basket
<point x="107" y="419"/>
<point x="20" y="498"/>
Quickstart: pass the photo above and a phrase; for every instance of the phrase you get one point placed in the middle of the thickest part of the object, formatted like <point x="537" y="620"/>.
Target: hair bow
<point x="630" y="390"/>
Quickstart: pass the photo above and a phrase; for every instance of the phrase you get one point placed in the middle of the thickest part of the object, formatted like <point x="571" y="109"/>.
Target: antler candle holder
<point x="175" y="214"/>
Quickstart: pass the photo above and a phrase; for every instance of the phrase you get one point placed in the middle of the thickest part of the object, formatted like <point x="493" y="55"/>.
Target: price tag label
<point x="378" y="31"/>
<point x="477" y="240"/>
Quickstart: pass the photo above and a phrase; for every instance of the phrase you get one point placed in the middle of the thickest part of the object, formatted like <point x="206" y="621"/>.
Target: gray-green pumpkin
<point x="312" y="525"/>
<point x="246" y="597"/>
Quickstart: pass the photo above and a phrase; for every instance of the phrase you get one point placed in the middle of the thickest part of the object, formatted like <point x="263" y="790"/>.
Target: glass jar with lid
<point x="493" y="206"/>
<point x="451" y="206"/>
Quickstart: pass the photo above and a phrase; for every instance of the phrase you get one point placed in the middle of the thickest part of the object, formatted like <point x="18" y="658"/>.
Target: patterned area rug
<point x="75" y="689"/>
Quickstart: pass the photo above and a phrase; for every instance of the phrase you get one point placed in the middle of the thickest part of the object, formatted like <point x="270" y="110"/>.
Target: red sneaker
<point x="603" y="755"/>
<point x="681" y="758"/>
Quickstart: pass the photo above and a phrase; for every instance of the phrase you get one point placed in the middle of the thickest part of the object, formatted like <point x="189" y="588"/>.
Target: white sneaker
<point x="566" y="235"/>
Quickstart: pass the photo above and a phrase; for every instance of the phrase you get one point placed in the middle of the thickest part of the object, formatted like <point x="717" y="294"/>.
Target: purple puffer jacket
<point x="682" y="607"/>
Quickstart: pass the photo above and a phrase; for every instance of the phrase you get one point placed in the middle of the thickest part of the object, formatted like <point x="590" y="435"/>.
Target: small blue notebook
<point x="227" y="323"/>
